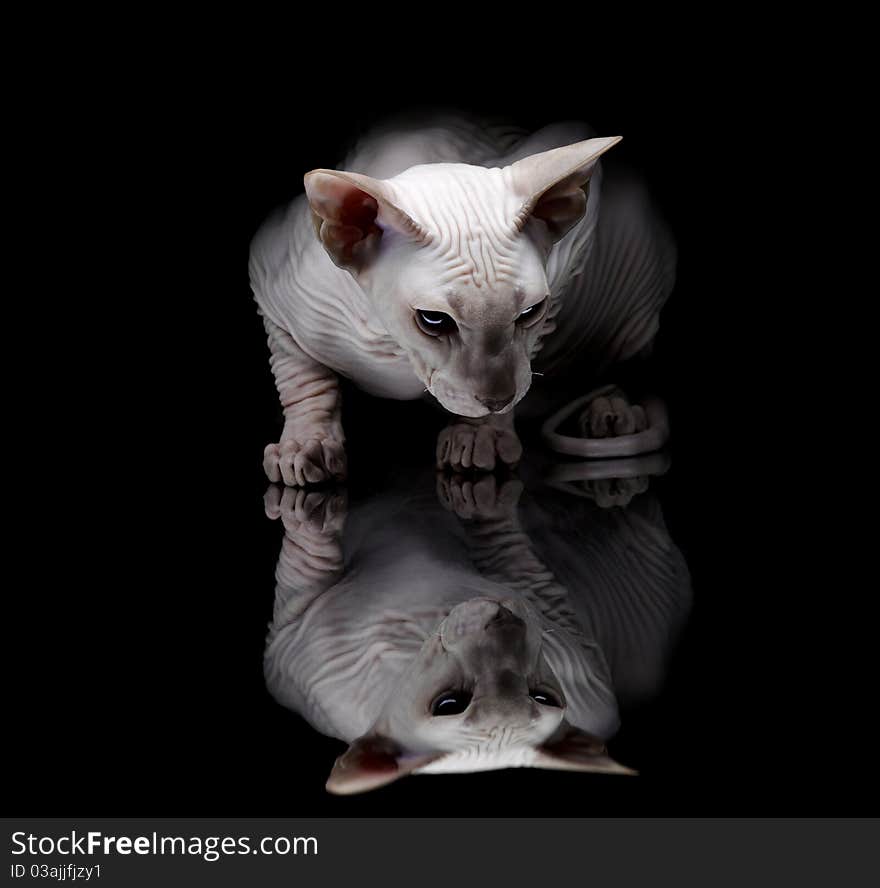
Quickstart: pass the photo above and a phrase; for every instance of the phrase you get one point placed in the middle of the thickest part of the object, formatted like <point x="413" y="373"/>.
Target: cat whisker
<point x="537" y="374"/>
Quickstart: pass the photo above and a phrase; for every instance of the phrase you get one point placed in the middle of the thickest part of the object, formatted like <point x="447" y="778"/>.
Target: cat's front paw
<point x="462" y="446"/>
<point x="310" y="460"/>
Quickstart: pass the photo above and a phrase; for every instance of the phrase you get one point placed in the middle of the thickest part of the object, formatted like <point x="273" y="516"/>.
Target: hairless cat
<point x="459" y="258"/>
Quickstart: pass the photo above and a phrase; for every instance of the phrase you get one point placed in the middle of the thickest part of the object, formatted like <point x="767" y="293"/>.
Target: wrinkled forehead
<point x="457" y="199"/>
<point x="487" y="736"/>
<point x="475" y="250"/>
<point x="488" y="755"/>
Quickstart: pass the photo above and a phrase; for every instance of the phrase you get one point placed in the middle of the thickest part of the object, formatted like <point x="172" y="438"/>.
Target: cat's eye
<point x="451" y="703"/>
<point x="435" y="323"/>
<point x="531" y="314"/>
<point x="545" y="698"/>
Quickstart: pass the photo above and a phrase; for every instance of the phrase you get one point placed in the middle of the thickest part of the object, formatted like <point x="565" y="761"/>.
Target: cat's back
<point x="321" y="307"/>
<point x="286" y="243"/>
<point x="407" y="141"/>
<point x="282" y="253"/>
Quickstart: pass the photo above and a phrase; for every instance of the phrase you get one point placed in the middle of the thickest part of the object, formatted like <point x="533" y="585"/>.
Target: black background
<point x="137" y="655"/>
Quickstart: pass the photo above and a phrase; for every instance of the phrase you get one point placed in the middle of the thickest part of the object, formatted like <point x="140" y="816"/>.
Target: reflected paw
<point x="464" y="446"/>
<point x="611" y="416"/>
<point x="483" y="498"/>
<point x="298" y="462"/>
<point x="610" y="492"/>
<point x="313" y="511"/>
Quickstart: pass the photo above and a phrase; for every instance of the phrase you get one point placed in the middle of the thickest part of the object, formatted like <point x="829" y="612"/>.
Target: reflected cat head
<point x="479" y="695"/>
<point x="438" y="640"/>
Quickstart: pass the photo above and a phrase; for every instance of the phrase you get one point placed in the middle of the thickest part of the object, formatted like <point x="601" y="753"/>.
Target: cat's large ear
<point x="352" y="211"/>
<point x="551" y="183"/>
<point x="372" y="761"/>
<point x="571" y="749"/>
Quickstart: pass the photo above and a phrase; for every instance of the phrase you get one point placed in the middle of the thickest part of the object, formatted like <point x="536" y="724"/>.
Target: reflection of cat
<point x="432" y="641"/>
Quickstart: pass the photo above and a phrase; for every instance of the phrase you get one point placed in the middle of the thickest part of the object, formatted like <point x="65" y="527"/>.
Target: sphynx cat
<point x="451" y="258"/>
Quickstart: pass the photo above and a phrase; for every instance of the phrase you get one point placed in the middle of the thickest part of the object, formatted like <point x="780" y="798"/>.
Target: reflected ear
<point x="571" y="749"/>
<point x="373" y="761"/>
<point x="351" y="213"/>
<point x="552" y="184"/>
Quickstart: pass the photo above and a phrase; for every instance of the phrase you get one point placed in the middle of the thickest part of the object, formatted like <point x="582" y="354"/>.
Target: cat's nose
<point x="496" y="404"/>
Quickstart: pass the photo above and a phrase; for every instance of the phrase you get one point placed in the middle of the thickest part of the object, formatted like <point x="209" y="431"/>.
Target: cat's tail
<point x="652" y="437"/>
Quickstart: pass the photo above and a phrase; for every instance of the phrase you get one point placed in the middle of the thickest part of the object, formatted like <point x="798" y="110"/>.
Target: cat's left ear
<point x="373" y="761"/>
<point x="352" y="211"/>
<point x="551" y="184"/>
<point x="571" y="749"/>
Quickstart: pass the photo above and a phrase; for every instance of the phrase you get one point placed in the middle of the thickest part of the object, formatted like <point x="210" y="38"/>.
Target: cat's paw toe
<point x="610" y="492"/>
<point x="483" y="498"/>
<point x="463" y="446"/>
<point x="317" y="511"/>
<point x="297" y="463"/>
<point x="611" y="416"/>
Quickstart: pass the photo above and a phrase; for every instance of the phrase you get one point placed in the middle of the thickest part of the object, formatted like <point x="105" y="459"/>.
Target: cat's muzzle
<point x="475" y="616"/>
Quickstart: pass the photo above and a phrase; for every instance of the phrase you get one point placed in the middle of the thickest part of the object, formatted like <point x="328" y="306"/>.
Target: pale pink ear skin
<point x="572" y="749"/>
<point x="560" y="212"/>
<point x="346" y="217"/>
<point x="373" y="761"/>
<point x="350" y="211"/>
<point x="553" y="182"/>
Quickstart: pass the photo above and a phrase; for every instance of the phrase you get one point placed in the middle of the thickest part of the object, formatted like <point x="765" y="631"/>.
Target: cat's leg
<point x="312" y="444"/>
<point x="479" y="443"/>
<point x="495" y="540"/>
<point x="311" y="558"/>
<point x="499" y="547"/>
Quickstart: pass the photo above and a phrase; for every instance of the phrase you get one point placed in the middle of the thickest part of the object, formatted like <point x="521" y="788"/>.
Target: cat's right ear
<point x="352" y="212"/>
<point x="572" y="749"/>
<point x="552" y="183"/>
<point x="373" y="761"/>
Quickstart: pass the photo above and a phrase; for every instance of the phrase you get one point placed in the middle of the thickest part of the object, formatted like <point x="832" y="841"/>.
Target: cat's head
<point x="482" y="694"/>
<point x="453" y="258"/>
